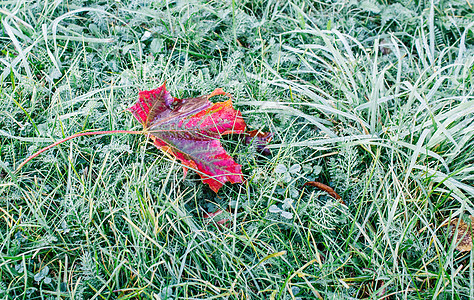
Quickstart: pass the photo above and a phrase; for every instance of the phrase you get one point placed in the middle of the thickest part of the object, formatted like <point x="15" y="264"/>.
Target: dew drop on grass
<point x="294" y="169"/>
<point x="287" y="203"/>
<point x="317" y="170"/>
<point x="146" y="36"/>
<point x="279" y="169"/>
<point x="286" y="177"/>
<point x="287" y="215"/>
<point x="274" y="209"/>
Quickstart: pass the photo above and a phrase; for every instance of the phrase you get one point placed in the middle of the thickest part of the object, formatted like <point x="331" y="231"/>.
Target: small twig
<point x="72" y="137"/>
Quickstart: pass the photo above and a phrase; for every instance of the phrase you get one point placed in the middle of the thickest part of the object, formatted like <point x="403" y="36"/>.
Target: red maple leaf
<point x="190" y="129"/>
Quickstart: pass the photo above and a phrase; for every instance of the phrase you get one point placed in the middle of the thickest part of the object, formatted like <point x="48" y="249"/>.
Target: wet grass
<point x="374" y="100"/>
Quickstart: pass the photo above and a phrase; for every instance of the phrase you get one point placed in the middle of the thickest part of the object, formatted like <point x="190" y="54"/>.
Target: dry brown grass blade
<point x="325" y="188"/>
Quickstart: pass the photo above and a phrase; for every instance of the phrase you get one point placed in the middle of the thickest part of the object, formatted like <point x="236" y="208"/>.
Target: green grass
<point x="374" y="98"/>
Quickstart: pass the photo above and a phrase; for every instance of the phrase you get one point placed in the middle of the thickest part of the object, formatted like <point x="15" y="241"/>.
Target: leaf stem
<point x="72" y="137"/>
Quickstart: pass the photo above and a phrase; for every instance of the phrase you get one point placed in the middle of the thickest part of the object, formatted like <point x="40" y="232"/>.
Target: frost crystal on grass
<point x="279" y="169"/>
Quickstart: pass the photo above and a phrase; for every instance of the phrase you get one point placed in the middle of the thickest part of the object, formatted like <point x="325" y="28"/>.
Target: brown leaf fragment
<point x="464" y="234"/>
<point x="384" y="47"/>
<point x="325" y="188"/>
<point x="260" y="140"/>
<point x="383" y="291"/>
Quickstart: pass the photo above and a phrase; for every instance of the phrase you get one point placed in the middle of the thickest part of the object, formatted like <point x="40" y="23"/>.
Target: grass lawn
<point x="374" y="98"/>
